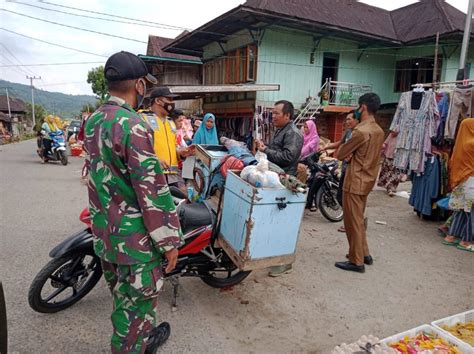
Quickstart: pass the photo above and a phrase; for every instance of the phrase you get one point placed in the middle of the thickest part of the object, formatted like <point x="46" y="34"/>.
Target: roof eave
<point x="164" y="59"/>
<point x="350" y="34"/>
<point x="432" y="37"/>
<point x="200" y="29"/>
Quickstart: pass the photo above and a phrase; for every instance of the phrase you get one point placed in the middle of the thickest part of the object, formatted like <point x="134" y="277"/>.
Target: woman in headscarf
<point x="461" y="180"/>
<point x="310" y="138"/>
<point x="47" y="127"/>
<point x="207" y="132"/>
<point x="59" y="123"/>
<point x="49" y="124"/>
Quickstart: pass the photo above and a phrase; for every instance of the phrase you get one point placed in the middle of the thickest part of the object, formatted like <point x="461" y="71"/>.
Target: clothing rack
<point x="445" y="83"/>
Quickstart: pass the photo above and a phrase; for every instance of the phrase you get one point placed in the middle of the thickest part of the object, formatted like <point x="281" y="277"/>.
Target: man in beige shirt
<point x="364" y="148"/>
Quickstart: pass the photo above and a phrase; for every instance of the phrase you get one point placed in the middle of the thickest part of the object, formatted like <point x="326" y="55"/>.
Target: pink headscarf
<point x="311" y="140"/>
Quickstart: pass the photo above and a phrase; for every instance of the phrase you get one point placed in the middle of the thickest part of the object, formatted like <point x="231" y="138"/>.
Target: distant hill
<point x="67" y="106"/>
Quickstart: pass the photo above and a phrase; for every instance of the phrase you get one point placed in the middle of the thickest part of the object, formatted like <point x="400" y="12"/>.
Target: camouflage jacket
<point x="133" y="216"/>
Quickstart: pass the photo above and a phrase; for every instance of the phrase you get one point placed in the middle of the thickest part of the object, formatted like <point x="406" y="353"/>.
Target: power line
<point x="64" y="83"/>
<point x="19" y="70"/>
<point x="94" y="17"/>
<point x="14" y="57"/>
<point x="233" y="35"/>
<point x="116" y="16"/>
<point x="356" y="50"/>
<point x="137" y="21"/>
<point x="52" y="64"/>
<point x="261" y="61"/>
<point x="51" y="43"/>
<point x="73" y="27"/>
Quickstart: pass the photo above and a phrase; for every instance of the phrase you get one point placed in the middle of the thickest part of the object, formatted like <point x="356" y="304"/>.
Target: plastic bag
<point x="443" y="203"/>
<point x="259" y="175"/>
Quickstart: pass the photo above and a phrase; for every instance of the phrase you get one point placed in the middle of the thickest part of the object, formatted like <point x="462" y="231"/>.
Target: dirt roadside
<point x="414" y="280"/>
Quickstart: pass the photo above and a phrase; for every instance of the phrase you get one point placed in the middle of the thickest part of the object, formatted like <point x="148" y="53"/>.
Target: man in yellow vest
<point x="164" y="136"/>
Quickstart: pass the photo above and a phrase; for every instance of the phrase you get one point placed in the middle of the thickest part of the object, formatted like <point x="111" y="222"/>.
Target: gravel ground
<point x="414" y="280"/>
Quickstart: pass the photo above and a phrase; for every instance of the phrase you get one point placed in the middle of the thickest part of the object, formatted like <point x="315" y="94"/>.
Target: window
<point x="413" y="71"/>
<point x="251" y="62"/>
<point x="238" y="66"/>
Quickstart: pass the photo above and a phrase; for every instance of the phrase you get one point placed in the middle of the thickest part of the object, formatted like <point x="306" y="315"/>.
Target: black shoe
<point x="367" y="259"/>
<point x="350" y="266"/>
<point x="158" y="336"/>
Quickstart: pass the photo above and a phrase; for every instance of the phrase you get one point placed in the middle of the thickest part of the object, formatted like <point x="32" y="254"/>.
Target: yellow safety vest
<point x="164" y="140"/>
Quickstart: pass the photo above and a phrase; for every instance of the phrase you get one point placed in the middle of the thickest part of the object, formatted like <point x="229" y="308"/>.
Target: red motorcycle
<point x="75" y="269"/>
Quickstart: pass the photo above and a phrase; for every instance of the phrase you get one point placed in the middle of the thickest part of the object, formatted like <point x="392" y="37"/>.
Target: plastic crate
<point x="453" y="320"/>
<point x="464" y="348"/>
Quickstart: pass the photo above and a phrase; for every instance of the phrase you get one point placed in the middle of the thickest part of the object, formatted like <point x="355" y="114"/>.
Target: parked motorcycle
<point x="323" y="185"/>
<point x="75" y="269"/>
<point x="58" y="148"/>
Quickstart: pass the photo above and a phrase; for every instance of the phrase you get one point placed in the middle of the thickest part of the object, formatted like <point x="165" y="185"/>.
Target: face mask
<point x="140" y="97"/>
<point x="169" y="107"/>
<point x="357" y="114"/>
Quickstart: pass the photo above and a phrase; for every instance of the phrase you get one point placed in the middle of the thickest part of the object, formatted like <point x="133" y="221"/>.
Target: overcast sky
<point x="15" y="49"/>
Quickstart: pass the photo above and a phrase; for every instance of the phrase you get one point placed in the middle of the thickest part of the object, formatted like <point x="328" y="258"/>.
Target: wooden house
<point x="302" y="44"/>
<point x="172" y="69"/>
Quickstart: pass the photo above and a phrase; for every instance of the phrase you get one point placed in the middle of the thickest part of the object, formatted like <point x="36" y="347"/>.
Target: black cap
<point x="177" y="113"/>
<point x="123" y="66"/>
<point x="162" y="91"/>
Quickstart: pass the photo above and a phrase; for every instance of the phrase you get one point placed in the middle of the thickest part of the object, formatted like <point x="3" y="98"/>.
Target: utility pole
<point x="8" y="104"/>
<point x="462" y="75"/>
<point x="31" y="78"/>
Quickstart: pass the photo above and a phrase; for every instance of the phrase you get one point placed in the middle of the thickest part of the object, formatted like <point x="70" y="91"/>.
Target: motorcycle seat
<point x="194" y="215"/>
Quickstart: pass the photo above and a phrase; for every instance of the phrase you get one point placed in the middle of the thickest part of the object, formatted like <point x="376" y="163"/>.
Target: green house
<point x="302" y="44"/>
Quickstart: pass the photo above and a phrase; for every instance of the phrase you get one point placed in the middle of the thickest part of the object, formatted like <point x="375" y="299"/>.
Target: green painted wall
<point x="451" y="68"/>
<point x="284" y="58"/>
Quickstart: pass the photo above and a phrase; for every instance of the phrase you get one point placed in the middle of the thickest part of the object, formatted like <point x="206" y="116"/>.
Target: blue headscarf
<point x="206" y="136"/>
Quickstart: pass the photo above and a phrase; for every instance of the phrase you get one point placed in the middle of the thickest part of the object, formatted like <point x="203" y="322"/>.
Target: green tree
<point x="40" y="114"/>
<point x="96" y="78"/>
<point x="89" y="108"/>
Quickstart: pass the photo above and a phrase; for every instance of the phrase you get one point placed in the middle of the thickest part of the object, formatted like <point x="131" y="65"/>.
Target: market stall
<point x="450" y="335"/>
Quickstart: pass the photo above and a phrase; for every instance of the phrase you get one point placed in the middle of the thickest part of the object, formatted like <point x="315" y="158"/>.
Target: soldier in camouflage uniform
<point x="134" y="219"/>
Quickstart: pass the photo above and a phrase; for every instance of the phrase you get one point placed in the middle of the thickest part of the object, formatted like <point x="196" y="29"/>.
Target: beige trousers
<point x="354" y="209"/>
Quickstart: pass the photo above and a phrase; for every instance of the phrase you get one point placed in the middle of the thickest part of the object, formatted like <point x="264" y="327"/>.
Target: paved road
<point x="415" y="279"/>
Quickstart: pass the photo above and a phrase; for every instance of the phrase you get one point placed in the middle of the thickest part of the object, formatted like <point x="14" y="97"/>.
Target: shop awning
<point x="200" y="91"/>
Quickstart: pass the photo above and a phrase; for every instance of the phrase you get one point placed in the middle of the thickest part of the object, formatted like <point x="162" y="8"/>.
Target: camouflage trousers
<point x="135" y="290"/>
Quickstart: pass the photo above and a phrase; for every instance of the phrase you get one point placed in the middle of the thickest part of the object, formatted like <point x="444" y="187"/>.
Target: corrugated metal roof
<point x="16" y="105"/>
<point x="349" y="14"/>
<point x="156" y="44"/>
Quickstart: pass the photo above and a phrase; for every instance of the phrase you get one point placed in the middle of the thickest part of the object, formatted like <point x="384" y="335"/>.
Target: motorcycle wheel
<point x="63" y="157"/>
<point x="224" y="276"/>
<point x="72" y="276"/>
<point x="328" y="205"/>
<point x="3" y="322"/>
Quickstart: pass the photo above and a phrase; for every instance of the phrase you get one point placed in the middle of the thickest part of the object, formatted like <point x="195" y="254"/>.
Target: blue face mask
<point x="357" y="114"/>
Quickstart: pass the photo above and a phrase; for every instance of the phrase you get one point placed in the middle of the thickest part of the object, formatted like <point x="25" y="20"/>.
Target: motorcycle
<point x="323" y="187"/>
<point x="75" y="269"/>
<point x="57" y="152"/>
